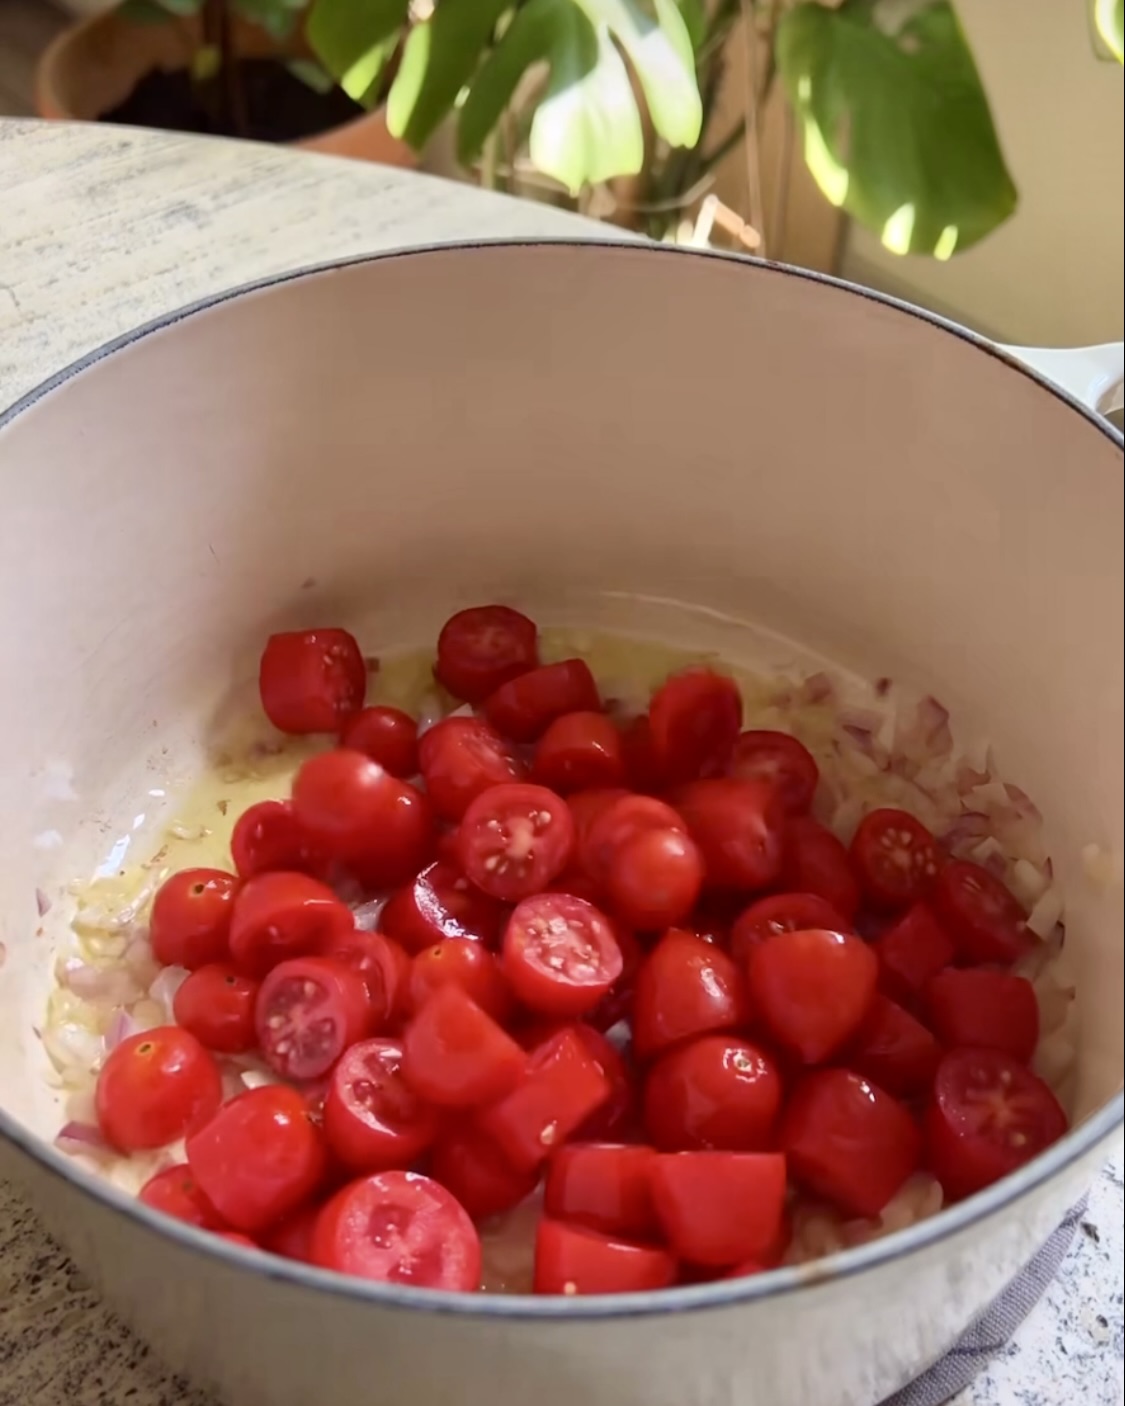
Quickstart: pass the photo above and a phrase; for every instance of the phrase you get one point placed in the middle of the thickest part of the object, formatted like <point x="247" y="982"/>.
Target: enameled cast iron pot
<point x="612" y="435"/>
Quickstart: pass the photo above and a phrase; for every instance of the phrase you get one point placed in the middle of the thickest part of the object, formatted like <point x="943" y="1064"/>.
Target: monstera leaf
<point x="896" y="125"/>
<point x="355" y="40"/>
<point x="1108" y="23"/>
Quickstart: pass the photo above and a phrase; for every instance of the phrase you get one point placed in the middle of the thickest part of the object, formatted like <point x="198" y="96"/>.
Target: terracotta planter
<point x="95" y="64"/>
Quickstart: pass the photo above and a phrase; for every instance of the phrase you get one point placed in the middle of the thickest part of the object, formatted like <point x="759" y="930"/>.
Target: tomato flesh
<point x="717" y="1093"/>
<point x="311" y="680"/>
<point x="983" y="918"/>
<point x="560" y="955"/>
<point x="373" y="1120"/>
<point x="615" y="824"/>
<point x="814" y="861"/>
<point x="894" y="1050"/>
<point x="382" y="966"/>
<point x="459" y="962"/>
<point x="268" y="836"/>
<point x="915" y="949"/>
<point x="605" y="1186"/>
<point x="470" y="1165"/>
<point x="308" y="1011"/>
<point x="896" y="858"/>
<point x="456" y="1056"/>
<point x="524" y="708"/>
<point x="655" y="879"/>
<point x="694" y="718"/>
<point x="515" y="839"/>
<point x="483" y="647"/>
<point x="155" y="1087"/>
<point x="441" y="903"/>
<point x="988" y="1009"/>
<point x="782" y="912"/>
<point x="578" y="752"/>
<point x="719" y="1208"/>
<point x="781" y="762"/>
<point x="174" y="1192"/>
<point x="571" y="1260"/>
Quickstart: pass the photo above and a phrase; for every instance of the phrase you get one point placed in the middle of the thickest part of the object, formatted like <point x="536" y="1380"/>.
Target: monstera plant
<point x="1108" y="27"/>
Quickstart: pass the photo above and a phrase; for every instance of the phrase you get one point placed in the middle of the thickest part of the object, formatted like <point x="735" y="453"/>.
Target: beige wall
<point x="1053" y="274"/>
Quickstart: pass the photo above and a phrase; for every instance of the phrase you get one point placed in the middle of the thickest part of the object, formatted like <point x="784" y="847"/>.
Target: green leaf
<point x="206" y="63"/>
<point x="311" y="75"/>
<point x="896" y="125"/>
<point x="528" y="40"/>
<point x="355" y="40"/>
<point x="145" y="11"/>
<point x="1107" y="21"/>
<point x="274" y="16"/>
<point x="440" y="56"/>
<point x="694" y="15"/>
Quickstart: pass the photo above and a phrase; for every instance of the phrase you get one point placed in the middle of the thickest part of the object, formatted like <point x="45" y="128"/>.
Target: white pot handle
<point x="1093" y="375"/>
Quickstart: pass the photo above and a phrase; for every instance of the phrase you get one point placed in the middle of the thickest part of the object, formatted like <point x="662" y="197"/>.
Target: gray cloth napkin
<point x="989" y="1335"/>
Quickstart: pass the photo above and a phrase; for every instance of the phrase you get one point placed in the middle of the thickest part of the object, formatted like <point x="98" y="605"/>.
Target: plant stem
<point x="753" y="125"/>
<point x="218" y="33"/>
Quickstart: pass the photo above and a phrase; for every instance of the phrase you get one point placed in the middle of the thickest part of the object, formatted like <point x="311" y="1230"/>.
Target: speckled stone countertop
<point x="101" y="231"/>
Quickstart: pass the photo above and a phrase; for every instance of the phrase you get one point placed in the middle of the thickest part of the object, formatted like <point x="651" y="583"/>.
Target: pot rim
<point x="1080" y="1141"/>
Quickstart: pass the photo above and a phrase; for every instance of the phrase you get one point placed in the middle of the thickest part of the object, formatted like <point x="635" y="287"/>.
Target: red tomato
<point x="284" y="915"/>
<point x="174" y="1192"/>
<point x="515" y="840"/>
<point x="849" y="1141"/>
<point x="895" y="857"/>
<point x="916" y="948"/>
<point x="383" y="967"/>
<point x="191" y="916"/>
<point x="382" y="828"/>
<point x="988" y="1116"/>
<point x="991" y="1010"/>
<point x="386" y="735"/>
<point x="400" y="1228"/>
<point x="259" y="1158"/>
<point x="643" y="770"/>
<point x="311" y="680"/>
<point x="720" y="1208"/>
<point x="460" y="758"/>
<point x="616" y="824"/>
<point x="292" y="1237"/>
<point x="587" y="806"/>
<point x="308" y="1012"/>
<point x="814" y="861"/>
<point x="456" y="1056"/>
<point x="781" y="912"/>
<point x="523" y="708"/>
<point x="717" y="1092"/>
<point x="232" y="1237"/>
<point x="737" y="826"/>
<point x="373" y="1120"/>
<point x="154" y="1087"/>
<point x="216" y="1003"/>
<point x="780" y="760"/>
<point x="617" y="1110"/>
<point x="604" y="1186"/>
<point x="685" y="987"/>
<point x="694" y="718"/>
<point x="560" y="954"/>
<point x="472" y="1167"/>
<point x="655" y="879"/>
<point x="984" y="920"/>
<point x="570" y="1260"/>
<point x="579" y="751"/>
<point x="561" y="1087"/>
<point x="812" y="990"/>
<point x="459" y="962"/>
<point x="439" y="904"/>
<point x="269" y="836"/>
<point x="481" y="648"/>
<point x="894" y="1050"/>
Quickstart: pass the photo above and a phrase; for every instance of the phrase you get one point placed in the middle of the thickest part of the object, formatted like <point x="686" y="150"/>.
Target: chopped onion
<point x="74" y="1050"/>
<point x="120" y="1028"/>
<point x="164" y="987"/>
<point x="42" y="903"/>
<point x="367" y="914"/>
<point x="1046" y="914"/>
<point x="83" y="1140"/>
<point x="257" y="1078"/>
<point x="101" y="986"/>
<point x="188" y="832"/>
<point x="1027" y="882"/>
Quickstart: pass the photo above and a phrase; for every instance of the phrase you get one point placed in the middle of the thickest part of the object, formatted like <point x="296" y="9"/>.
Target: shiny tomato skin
<point x="782" y="762"/>
<point x="781" y="912"/>
<point x="982" y="917"/>
<point x="308" y="1011"/>
<point x="984" y="1008"/>
<point x="292" y="1237"/>
<point x="717" y="1093"/>
<point x="438" y="904"/>
<point x="604" y="1186"/>
<point x="579" y="752"/>
<point x="525" y="707"/>
<point x="174" y="1192"/>
<point x="644" y="773"/>
<point x="461" y="757"/>
<point x="459" y="962"/>
<point x="560" y="955"/>
<point x="849" y="1141"/>
<point x="655" y="879"/>
<point x="910" y="952"/>
<point x="311" y="680"/>
<point x="470" y="1165"/>
<point x="685" y="988"/>
<point x="386" y="735"/>
<point x="719" y="1208"/>
<point x="894" y="1050"/>
<point x="383" y="967"/>
<point x="483" y="647"/>
<point x="268" y="835"/>
<point x="216" y="1003"/>
<point x="895" y="858"/>
<point x="282" y="915"/>
<point x="694" y="718"/>
<point x="572" y="1260"/>
<point x="812" y="990"/>
<point x="154" y="1088"/>
<point x="814" y="861"/>
<point x="738" y="828"/>
<point x="373" y="1120"/>
<point x="515" y="839"/>
<point x="615" y="824"/>
<point x="191" y="917"/>
<point x="456" y="1056"/>
<point x="618" y="1111"/>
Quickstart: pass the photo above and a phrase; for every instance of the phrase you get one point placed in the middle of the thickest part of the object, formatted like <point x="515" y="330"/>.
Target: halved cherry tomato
<point x="571" y="1260"/>
<point x="155" y="1087"/>
<point x="459" y="962"/>
<point x="470" y="1165"/>
<point x="894" y="1050"/>
<point x="814" y="861"/>
<point x="373" y="1120"/>
<point x="719" y="1208"/>
<point x="311" y="680"/>
<point x="781" y="912"/>
<point x="401" y="1228"/>
<point x="456" y="1056"/>
<point x="685" y="987"/>
<point x="382" y="828"/>
<point x="579" y="751"/>
<point x="643" y="771"/>
<point x="560" y="955"/>
<point x="383" y="967"/>
<point x="812" y="990"/>
<point x="269" y="836"/>
<point x="849" y="1141"/>
<point x="191" y="916"/>
<point x="216" y="1003"/>
<point x="308" y="1012"/>
<point x="718" y="1092"/>
<point x="386" y="735"/>
<point x="916" y="948"/>
<point x="174" y="1192"/>
<point x="292" y="1237"/>
<point x="983" y="918"/>
<point x="655" y="879"/>
<point x="561" y="1087"/>
<point x="988" y="1116"/>
<point x="523" y="708"/>
<point x="605" y="1186"/>
<point x="587" y="806"/>
<point x="616" y="824"/>
<point x="895" y="857"/>
<point x="441" y="903"/>
<point x="460" y="758"/>
<point x="616" y="1113"/>
<point x="483" y="647"/>
<point x="991" y="1010"/>
<point x="694" y="718"/>
<point x="284" y="915"/>
<point x="780" y="760"/>
<point x="515" y="840"/>
<point x="259" y="1158"/>
<point x="738" y="827"/>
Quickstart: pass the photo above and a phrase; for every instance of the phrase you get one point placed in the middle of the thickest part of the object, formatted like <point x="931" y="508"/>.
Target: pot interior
<point x="717" y="454"/>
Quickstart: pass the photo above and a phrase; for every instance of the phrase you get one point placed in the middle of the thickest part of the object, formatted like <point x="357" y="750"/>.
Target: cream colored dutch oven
<point x="605" y="434"/>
